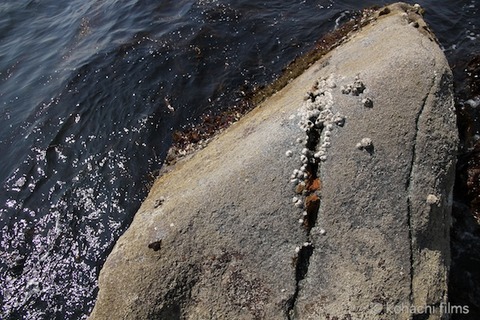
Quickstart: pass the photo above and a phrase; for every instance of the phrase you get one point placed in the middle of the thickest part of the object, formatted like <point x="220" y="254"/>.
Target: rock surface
<point x="360" y="232"/>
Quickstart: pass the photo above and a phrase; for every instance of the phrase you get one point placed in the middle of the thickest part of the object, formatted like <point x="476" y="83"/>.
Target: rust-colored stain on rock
<point x="314" y="185"/>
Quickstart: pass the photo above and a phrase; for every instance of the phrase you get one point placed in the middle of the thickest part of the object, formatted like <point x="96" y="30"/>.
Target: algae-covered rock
<point x="330" y="200"/>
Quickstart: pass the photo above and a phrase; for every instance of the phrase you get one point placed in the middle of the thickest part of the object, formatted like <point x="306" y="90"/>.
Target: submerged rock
<point x="225" y="242"/>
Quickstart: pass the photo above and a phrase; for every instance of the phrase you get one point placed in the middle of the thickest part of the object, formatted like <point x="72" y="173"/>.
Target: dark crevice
<point x="302" y="262"/>
<point x="312" y="205"/>
<point x="407" y="188"/>
<point x="312" y="142"/>
<point x="311" y="199"/>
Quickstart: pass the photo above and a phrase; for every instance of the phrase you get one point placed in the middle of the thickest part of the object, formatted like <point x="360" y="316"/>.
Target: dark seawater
<point x="90" y="93"/>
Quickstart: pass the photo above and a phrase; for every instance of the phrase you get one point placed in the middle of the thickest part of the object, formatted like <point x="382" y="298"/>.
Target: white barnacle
<point x="294" y="181"/>
<point x="310" y="105"/>
<point x="367" y="102"/>
<point x="321" y="117"/>
<point x="307" y="244"/>
<point x="319" y="123"/>
<point x="322" y="231"/>
<point x="294" y="199"/>
<point x="330" y="83"/>
<point x="359" y="146"/>
<point x="300" y="221"/>
<point x="304" y="213"/>
<point x="303" y="158"/>
<point x="323" y="158"/>
<point x="366" y="142"/>
<point x="328" y="118"/>
<point x="297" y="249"/>
<point x="319" y="154"/>
<point x="289" y="153"/>
<point x="300" y="175"/>
<point x="320" y="101"/>
<point x="432" y="199"/>
<point x="299" y="204"/>
<point x="339" y="120"/>
<point x="313" y="113"/>
<point x="305" y="151"/>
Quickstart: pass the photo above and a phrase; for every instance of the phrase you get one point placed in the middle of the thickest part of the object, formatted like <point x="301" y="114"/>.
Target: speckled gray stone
<point x="224" y="240"/>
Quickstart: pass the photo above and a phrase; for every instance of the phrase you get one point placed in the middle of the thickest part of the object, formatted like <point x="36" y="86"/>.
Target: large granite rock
<point x="359" y="231"/>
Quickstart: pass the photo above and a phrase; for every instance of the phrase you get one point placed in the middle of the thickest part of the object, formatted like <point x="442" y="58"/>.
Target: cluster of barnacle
<point x="317" y="121"/>
<point x="358" y="88"/>
<point x="355" y="89"/>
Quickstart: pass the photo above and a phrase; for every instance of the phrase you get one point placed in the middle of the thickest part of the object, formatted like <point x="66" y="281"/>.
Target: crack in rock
<point x="409" y="185"/>
<point x="317" y="122"/>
